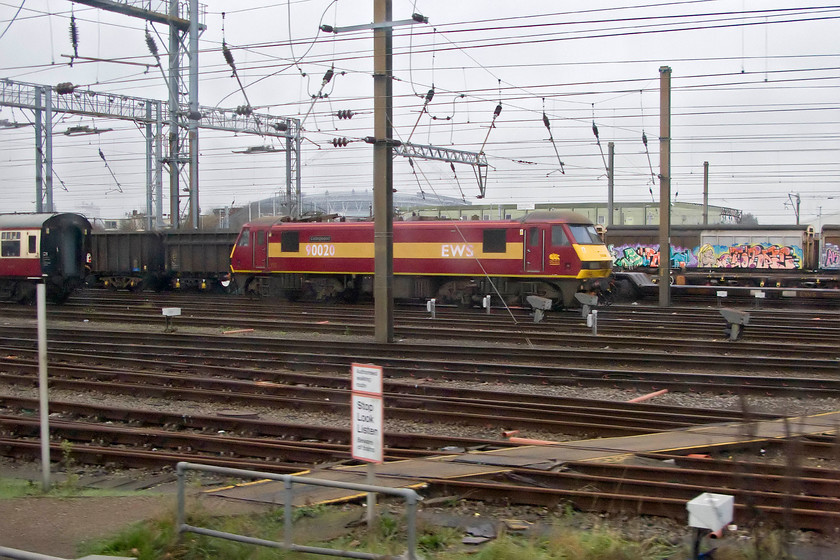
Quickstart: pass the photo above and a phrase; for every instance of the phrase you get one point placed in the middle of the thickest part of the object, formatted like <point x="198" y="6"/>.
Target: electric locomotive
<point x="49" y="248"/>
<point x="550" y="254"/>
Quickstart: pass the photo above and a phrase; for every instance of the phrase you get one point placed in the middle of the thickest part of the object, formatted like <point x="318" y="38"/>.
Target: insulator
<point x="327" y="28"/>
<point x="150" y="42"/>
<point x="244" y="110"/>
<point x="644" y="138"/>
<point x="545" y="122"/>
<point x="74" y="34"/>
<point x="101" y="155"/>
<point x="595" y="129"/>
<point x="327" y="76"/>
<point x="340" y="142"/>
<point x="419" y="18"/>
<point x="498" y="110"/>
<point x="345" y="114"/>
<point x="64" y="88"/>
<point x="228" y="55"/>
<point x="430" y="94"/>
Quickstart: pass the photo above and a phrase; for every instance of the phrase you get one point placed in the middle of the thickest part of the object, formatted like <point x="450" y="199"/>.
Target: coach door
<point x="534" y="254"/>
<point x="260" y="248"/>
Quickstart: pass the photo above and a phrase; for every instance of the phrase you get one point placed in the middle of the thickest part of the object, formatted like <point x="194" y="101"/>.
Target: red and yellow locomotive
<point x="551" y="254"/>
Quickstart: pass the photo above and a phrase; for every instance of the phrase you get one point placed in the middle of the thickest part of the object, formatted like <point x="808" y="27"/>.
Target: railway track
<point x="806" y="501"/>
<point x="236" y="312"/>
<point x="526" y="412"/>
<point x="257" y="356"/>
<point x="263" y="368"/>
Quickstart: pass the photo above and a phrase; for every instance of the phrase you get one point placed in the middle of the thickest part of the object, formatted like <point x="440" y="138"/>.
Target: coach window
<point x="558" y="237"/>
<point x="244" y="238"/>
<point x="290" y="241"/>
<point x="494" y="241"/>
<point x="33" y="245"/>
<point x="10" y="244"/>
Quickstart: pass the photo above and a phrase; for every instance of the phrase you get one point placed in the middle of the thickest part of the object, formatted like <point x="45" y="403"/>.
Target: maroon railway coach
<point x="551" y="254"/>
<point x="49" y="248"/>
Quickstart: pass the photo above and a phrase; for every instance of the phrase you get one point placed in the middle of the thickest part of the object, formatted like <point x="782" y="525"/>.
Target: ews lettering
<point x="457" y="250"/>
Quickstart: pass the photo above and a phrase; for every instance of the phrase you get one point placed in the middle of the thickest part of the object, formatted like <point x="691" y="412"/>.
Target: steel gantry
<point x="46" y="100"/>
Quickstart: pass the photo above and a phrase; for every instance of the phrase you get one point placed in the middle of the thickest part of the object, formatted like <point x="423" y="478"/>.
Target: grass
<point x="560" y="540"/>
<point x="560" y="537"/>
<point x="11" y="488"/>
<point x="157" y="539"/>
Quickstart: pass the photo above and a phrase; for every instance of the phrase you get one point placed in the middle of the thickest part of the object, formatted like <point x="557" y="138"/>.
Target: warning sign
<point x="366" y="425"/>
<point x="366" y="379"/>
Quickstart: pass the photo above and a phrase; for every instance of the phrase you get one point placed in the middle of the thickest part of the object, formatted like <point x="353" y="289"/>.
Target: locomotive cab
<point x="565" y="244"/>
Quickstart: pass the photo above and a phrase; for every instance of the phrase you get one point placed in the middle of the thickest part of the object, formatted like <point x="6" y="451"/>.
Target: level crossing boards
<point x="412" y="473"/>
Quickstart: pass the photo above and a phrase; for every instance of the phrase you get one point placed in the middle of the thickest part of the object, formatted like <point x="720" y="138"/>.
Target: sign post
<point x="366" y="423"/>
<point x="43" y="397"/>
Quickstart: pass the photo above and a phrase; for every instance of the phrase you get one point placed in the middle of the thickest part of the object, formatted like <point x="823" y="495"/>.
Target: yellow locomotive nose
<point x="595" y="261"/>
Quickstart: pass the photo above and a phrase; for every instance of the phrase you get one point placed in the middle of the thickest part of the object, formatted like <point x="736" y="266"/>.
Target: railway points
<point x="555" y="456"/>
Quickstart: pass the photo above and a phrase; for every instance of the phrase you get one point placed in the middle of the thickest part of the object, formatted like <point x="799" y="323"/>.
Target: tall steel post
<point x="150" y="178"/>
<point x="383" y="175"/>
<point x="43" y="384"/>
<point x="48" y="151"/>
<point x="610" y="183"/>
<point x="158" y="165"/>
<point x="664" y="186"/>
<point x="174" y="141"/>
<point x="39" y="152"/>
<point x="705" y="193"/>
<point x="194" y="115"/>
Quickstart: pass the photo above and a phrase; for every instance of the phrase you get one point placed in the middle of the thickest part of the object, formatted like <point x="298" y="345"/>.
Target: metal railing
<point x="410" y="496"/>
<point x="15" y="554"/>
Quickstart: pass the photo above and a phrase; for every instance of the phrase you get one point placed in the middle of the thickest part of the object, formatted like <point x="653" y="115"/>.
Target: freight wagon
<point x="752" y="256"/>
<point x="162" y="260"/>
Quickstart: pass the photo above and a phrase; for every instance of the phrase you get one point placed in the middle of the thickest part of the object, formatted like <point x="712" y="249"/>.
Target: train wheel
<point x="24" y="293"/>
<point x="252" y="288"/>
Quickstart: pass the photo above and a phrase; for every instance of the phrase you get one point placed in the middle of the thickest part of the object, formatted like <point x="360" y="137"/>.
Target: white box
<point x="710" y="511"/>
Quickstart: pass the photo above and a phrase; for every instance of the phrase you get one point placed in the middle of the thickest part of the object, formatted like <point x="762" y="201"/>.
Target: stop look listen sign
<point x="367" y="413"/>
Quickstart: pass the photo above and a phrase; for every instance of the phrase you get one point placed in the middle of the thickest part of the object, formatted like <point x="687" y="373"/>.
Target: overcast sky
<point x="756" y="93"/>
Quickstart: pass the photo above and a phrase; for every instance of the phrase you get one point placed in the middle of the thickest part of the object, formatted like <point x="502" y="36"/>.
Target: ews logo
<point x="456" y="250"/>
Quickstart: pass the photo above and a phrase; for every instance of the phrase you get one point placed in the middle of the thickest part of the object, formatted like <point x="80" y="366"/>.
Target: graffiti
<point x="758" y="256"/>
<point x="831" y="256"/>
<point x="761" y="256"/>
<point x="635" y="256"/>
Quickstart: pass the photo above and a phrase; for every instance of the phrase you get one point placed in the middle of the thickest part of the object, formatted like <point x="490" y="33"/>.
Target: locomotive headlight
<point x="595" y="265"/>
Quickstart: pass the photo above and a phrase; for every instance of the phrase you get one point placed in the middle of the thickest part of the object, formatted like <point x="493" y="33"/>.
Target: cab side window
<point x="290" y="242"/>
<point x="494" y="241"/>
<point x="244" y="238"/>
<point x="558" y="237"/>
